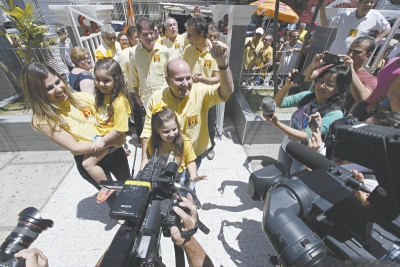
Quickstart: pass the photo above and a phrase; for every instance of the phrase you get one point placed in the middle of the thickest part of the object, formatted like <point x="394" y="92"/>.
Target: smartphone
<point x="331" y="58"/>
<point x="313" y="124"/>
<point x="297" y="78"/>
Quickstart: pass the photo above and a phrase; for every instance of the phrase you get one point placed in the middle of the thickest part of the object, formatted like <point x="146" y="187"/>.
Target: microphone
<point x="268" y="105"/>
<point x="309" y="157"/>
<point x="314" y="160"/>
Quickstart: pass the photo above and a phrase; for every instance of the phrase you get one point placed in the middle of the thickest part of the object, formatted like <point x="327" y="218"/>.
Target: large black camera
<point x="30" y="225"/>
<point x="312" y="218"/>
<point x="145" y="203"/>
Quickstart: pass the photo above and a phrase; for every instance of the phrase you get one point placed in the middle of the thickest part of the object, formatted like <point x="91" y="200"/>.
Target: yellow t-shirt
<point x="176" y="47"/>
<point x="188" y="152"/>
<point x="147" y="69"/>
<point x="302" y="35"/>
<point x="159" y="40"/>
<point x="266" y="54"/>
<point x="192" y="113"/>
<point x="200" y="62"/>
<point x="118" y="121"/>
<point x="81" y="122"/>
<point x="249" y="60"/>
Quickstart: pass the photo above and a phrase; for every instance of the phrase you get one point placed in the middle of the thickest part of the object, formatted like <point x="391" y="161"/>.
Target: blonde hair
<point x="78" y="53"/>
<point x="33" y="76"/>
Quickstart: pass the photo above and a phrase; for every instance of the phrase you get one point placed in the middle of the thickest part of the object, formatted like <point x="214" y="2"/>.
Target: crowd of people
<point x="171" y="82"/>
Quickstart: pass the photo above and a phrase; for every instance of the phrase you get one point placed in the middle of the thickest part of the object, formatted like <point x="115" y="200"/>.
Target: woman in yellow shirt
<point x="68" y="119"/>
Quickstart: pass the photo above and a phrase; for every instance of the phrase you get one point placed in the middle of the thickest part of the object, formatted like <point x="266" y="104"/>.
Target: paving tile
<point x="82" y="230"/>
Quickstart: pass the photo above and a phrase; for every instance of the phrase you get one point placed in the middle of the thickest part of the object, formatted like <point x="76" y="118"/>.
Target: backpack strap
<point x="323" y="111"/>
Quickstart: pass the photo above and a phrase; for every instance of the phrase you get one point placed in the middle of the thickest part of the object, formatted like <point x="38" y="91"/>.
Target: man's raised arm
<point x="219" y="51"/>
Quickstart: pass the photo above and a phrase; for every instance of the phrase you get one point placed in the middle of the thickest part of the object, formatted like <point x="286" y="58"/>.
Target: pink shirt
<point x="385" y="79"/>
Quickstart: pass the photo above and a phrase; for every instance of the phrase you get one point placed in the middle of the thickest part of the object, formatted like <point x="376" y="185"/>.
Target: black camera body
<point x="145" y="203"/>
<point x="312" y="218"/>
<point x="30" y="225"/>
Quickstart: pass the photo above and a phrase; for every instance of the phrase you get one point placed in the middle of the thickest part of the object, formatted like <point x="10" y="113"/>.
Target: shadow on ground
<point x="241" y="193"/>
<point x="88" y="209"/>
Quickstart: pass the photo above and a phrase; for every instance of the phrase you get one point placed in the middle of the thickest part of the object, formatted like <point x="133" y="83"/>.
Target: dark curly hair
<point x="343" y="81"/>
<point x="113" y="68"/>
<point x="157" y="120"/>
<point x="199" y="25"/>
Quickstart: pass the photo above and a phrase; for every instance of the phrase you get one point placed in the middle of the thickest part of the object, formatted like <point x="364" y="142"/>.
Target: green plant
<point x="25" y="21"/>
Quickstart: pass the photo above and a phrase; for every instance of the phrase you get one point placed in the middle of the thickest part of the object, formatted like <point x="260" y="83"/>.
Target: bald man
<point x="190" y="101"/>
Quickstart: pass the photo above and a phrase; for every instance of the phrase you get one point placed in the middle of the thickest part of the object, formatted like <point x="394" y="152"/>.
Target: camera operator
<point x="195" y="254"/>
<point x="33" y="257"/>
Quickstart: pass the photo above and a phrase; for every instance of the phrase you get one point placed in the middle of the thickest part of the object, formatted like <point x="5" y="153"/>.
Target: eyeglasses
<point x="85" y="59"/>
<point x="111" y="38"/>
<point x="296" y="36"/>
<point x="328" y="85"/>
<point x="267" y="40"/>
<point x="281" y="42"/>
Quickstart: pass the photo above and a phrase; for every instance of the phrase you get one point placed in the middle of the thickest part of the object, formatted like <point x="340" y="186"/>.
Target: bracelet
<point x="223" y="68"/>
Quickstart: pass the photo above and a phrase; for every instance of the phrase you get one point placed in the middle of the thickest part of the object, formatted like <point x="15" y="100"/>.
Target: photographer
<point x="327" y="99"/>
<point x="195" y="254"/>
<point x="362" y="82"/>
<point x="33" y="257"/>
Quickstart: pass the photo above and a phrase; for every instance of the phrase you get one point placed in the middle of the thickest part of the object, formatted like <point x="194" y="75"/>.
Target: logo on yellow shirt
<point x="353" y="33"/>
<point x="157" y="58"/>
<point x="177" y="45"/>
<point x="87" y="112"/>
<point x="192" y="121"/>
<point x="207" y="64"/>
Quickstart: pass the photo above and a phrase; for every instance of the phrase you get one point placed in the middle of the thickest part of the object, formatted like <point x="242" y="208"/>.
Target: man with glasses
<point x="289" y="54"/>
<point x="352" y="24"/>
<point x="363" y="83"/>
<point x="264" y="61"/>
<point x="109" y="46"/>
<point x="146" y="70"/>
<point x="252" y="49"/>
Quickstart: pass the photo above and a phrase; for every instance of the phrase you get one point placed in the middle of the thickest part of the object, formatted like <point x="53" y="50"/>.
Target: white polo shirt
<point x="288" y="61"/>
<point x="350" y="28"/>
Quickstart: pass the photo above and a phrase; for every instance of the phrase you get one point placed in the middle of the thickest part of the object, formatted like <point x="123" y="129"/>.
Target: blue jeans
<point x="290" y="163"/>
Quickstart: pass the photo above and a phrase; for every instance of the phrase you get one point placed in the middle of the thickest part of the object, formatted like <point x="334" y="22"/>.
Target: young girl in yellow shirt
<point x="112" y="114"/>
<point x="166" y="136"/>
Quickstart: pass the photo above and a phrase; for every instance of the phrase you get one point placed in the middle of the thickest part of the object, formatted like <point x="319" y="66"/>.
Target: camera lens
<point x="30" y="225"/>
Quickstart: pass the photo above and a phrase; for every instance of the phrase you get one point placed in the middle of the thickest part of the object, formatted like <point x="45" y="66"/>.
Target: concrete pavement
<point x="82" y="230"/>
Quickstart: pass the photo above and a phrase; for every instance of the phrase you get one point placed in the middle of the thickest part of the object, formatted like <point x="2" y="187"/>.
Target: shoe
<point x="104" y="194"/>
<point x="210" y="154"/>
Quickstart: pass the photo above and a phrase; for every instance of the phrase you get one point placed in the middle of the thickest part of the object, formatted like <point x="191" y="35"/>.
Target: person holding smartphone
<point x="325" y="100"/>
<point x="363" y="83"/>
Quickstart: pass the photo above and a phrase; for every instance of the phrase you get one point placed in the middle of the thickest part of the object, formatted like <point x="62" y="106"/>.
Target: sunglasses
<point x="85" y="59"/>
<point x="111" y="38"/>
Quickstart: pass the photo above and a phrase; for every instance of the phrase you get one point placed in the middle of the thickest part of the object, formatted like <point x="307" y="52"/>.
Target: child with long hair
<point x="165" y="136"/>
<point x="112" y="114"/>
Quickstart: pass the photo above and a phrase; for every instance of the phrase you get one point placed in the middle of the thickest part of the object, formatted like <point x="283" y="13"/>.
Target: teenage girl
<point x="166" y="136"/>
<point x="112" y="114"/>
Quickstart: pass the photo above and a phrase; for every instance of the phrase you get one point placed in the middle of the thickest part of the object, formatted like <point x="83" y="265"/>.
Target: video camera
<point x="30" y="225"/>
<point x="145" y="203"/>
<point x="312" y="218"/>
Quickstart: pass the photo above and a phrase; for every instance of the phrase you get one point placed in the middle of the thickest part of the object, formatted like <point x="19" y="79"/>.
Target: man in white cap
<point x="252" y="49"/>
<point x="289" y="53"/>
